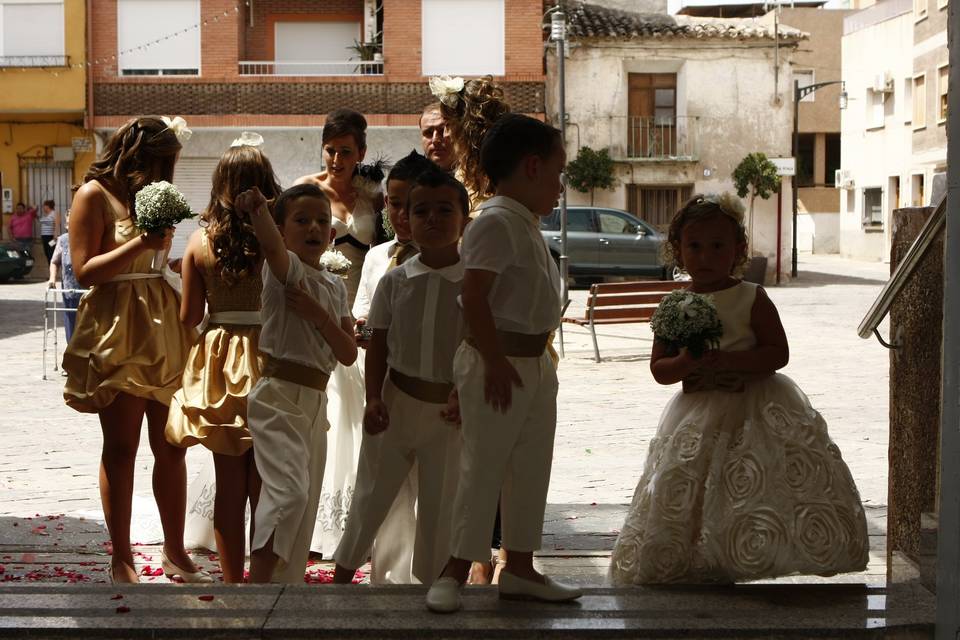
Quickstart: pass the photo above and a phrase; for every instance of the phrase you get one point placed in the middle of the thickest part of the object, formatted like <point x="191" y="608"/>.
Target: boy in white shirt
<point x="417" y="327"/>
<point x="307" y="330"/>
<point x="392" y="557"/>
<point x="506" y="381"/>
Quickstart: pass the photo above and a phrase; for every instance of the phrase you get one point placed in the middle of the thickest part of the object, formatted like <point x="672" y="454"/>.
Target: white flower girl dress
<point x="741" y="485"/>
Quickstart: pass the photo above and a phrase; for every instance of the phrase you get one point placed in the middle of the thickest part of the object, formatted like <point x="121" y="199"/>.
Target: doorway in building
<point x="43" y="179"/>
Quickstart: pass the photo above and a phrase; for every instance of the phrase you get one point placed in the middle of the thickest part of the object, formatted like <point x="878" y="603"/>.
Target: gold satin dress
<point x="211" y="407"/>
<point x="128" y="336"/>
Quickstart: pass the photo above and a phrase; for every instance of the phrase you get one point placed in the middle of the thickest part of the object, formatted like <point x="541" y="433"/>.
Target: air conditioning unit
<point x="843" y="179"/>
<point x="883" y="83"/>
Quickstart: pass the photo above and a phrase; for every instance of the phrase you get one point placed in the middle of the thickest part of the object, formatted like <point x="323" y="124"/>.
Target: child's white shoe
<point x="444" y="596"/>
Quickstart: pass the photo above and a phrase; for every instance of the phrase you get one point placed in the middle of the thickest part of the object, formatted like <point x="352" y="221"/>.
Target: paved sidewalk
<point x="49" y="501"/>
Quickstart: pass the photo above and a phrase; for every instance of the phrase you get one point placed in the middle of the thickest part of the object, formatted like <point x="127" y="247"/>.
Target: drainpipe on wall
<point x="88" y="30"/>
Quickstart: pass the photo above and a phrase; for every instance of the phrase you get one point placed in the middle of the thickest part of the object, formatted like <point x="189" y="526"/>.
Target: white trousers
<point x="417" y="434"/>
<point x="391" y="561"/>
<point x="288" y="424"/>
<point x="504" y="454"/>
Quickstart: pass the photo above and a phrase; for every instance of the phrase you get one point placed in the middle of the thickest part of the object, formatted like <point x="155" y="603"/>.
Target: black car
<point x="16" y="261"/>
<point x="602" y="242"/>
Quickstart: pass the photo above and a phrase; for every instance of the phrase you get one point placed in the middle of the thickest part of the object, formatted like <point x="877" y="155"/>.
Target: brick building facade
<point x="236" y="66"/>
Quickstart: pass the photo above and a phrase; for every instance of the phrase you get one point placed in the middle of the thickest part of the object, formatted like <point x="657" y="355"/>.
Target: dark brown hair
<point x="435" y="178"/>
<point x="343" y="122"/>
<point x="480" y="104"/>
<point x="700" y="208"/>
<point x="230" y="232"/>
<point x="510" y="140"/>
<point x="306" y="190"/>
<point x="142" y="151"/>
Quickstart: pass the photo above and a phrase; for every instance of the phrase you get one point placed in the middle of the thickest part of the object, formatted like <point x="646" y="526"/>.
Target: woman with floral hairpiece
<point x="355" y="202"/>
<point x="221" y="271"/>
<point x="129" y="347"/>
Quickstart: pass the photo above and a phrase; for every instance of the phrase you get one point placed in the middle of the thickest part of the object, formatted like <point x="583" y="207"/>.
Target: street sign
<point x="82" y="145"/>
<point x="785" y="166"/>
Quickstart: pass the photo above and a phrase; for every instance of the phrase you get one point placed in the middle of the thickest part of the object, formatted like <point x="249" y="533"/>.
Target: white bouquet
<point x="159" y="206"/>
<point x="335" y="262"/>
<point x="687" y="320"/>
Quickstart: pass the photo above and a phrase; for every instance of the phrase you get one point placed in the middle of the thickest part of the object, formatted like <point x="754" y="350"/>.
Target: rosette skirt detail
<point x="741" y="486"/>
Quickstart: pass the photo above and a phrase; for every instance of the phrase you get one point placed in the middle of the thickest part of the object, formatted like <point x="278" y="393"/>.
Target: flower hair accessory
<point x="179" y="127"/>
<point x="728" y="203"/>
<point x="446" y="89"/>
<point x="248" y="139"/>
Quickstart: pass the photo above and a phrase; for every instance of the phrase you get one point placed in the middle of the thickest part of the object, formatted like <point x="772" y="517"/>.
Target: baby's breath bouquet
<point x="687" y="319"/>
<point x="159" y="206"/>
<point x="335" y="262"/>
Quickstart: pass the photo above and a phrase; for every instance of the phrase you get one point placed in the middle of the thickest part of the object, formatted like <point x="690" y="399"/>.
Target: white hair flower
<point x="729" y="203"/>
<point x="248" y="139"/>
<point x="335" y="262"/>
<point x="179" y="127"/>
<point x="446" y="89"/>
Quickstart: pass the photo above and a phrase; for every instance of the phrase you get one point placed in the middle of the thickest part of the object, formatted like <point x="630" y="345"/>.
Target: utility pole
<point x="558" y="33"/>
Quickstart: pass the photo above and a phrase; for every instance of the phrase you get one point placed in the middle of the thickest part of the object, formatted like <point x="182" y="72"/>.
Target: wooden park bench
<point x="621" y="303"/>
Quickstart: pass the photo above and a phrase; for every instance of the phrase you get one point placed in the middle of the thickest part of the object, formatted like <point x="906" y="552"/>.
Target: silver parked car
<point x="602" y="242"/>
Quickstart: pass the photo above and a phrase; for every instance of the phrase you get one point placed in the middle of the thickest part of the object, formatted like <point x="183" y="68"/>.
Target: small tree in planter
<point x="756" y="176"/>
<point x="591" y="170"/>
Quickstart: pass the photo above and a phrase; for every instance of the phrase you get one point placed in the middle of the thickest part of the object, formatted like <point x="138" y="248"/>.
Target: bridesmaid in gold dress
<point x="221" y="267"/>
<point x="129" y="348"/>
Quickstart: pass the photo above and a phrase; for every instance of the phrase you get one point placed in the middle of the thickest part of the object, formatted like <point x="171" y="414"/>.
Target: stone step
<point x="278" y="612"/>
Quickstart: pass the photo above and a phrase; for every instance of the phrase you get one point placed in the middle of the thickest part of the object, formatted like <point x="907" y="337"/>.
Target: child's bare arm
<point x="669" y="368"/>
<point x="376" y="417"/>
<point x="193" y="300"/>
<point x="772" y="351"/>
<point x="499" y="375"/>
<point x="268" y="235"/>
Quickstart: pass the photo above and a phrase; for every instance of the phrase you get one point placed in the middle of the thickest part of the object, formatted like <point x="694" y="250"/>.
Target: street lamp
<point x="799" y="93"/>
<point x="558" y="33"/>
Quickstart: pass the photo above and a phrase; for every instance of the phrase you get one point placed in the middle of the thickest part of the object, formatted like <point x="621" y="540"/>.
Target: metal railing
<point x="34" y="61"/>
<point x="659" y="138"/>
<point x="311" y="68"/>
<point x="911" y="260"/>
<point x="53" y="305"/>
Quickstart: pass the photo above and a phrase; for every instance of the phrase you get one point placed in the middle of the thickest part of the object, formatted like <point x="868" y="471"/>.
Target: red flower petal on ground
<point x="205" y="598"/>
<point x="123" y="609"/>
<point x="119" y="596"/>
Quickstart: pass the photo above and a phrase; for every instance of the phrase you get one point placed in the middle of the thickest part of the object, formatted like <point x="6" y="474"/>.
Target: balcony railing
<point x="664" y="139"/>
<point x="34" y="61"/>
<point x="318" y="68"/>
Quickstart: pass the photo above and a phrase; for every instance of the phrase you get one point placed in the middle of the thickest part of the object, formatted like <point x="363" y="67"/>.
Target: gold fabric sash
<point x="423" y="390"/>
<point x="294" y="372"/>
<point x="235" y="317"/>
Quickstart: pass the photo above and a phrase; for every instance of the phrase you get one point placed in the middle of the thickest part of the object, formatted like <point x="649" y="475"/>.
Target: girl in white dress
<point x="742" y="481"/>
<point x="355" y="199"/>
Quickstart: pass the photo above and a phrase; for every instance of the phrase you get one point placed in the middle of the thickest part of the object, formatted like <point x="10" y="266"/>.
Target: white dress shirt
<point x="506" y="240"/>
<point x="375" y="264"/>
<point x="418" y="307"/>
<point x="289" y="336"/>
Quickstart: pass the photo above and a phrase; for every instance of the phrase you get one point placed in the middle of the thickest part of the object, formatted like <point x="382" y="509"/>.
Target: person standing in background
<point x="49" y="228"/>
<point x="21" y="224"/>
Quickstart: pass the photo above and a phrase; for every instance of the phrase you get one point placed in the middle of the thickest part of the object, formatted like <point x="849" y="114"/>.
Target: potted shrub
<point x="591" y="170"/>
<point x="756" y="176"/>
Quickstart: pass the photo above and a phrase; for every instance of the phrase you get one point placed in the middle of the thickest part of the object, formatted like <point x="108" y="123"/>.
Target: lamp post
<point x="799" y="93"/>
<point x="558" y="33"/>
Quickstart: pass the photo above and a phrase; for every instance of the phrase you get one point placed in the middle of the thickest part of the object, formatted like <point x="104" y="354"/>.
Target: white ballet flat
<point x="170" y="570"/>
<point x="515" y="588"/>
<point x="444" y="596"/>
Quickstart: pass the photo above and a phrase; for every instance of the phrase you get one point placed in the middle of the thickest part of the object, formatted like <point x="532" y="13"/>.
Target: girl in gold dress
<point x="129" y="348"/>
<point x="221" y="268"/>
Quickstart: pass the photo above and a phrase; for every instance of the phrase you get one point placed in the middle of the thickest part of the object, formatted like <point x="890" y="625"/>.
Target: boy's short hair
<point x="282" y="203"/>
<point x="434" y="178"/>
<point x="512" y="138"/>
<point x="49" y="203"/>
<point x="409" y="167"/>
